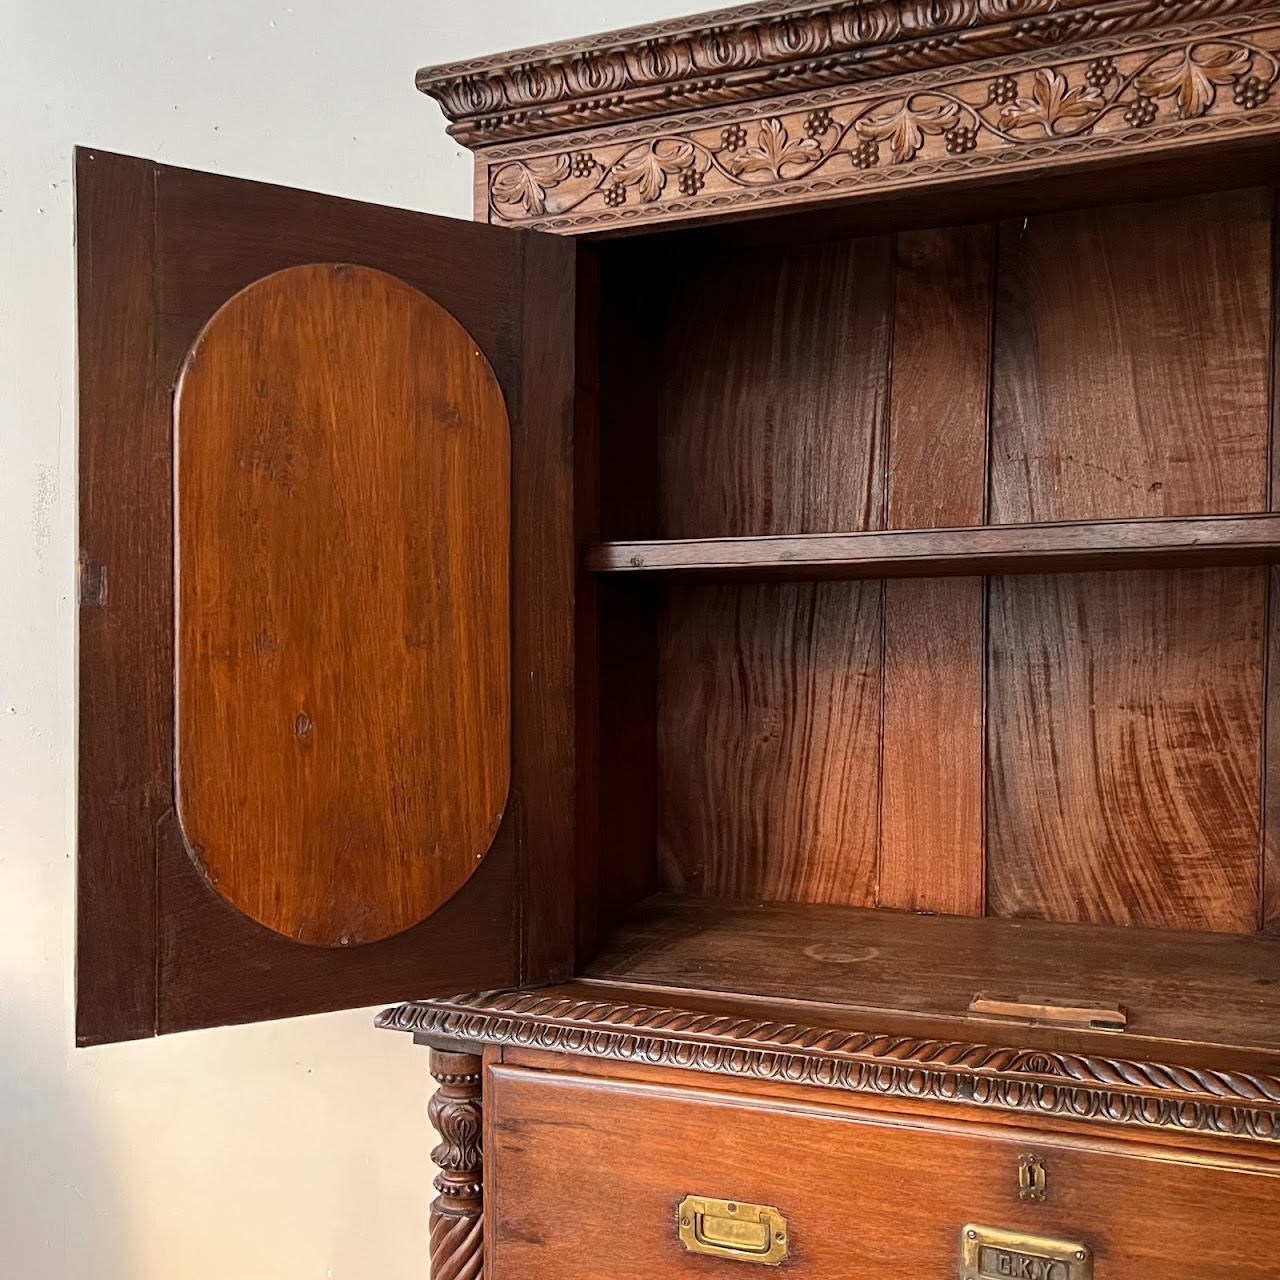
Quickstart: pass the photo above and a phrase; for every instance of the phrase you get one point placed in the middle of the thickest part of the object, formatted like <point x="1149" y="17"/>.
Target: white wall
<point x="285" y="1151"/>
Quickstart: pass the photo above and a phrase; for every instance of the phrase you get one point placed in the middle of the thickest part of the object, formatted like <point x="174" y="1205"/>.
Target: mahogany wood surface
<point x="931" y="769"/>
<point x="912" y="1185"/>
<point x="1052" y="547"/>
<point x="1140" y="696"/>
<point x="159" y="950"/>
<point x="768" y="742"/>
<point x="1177" y="987"/>
<point x="1132" y="361"/>
<point x="457" y="1222"/>
<point x="343" y="656"/>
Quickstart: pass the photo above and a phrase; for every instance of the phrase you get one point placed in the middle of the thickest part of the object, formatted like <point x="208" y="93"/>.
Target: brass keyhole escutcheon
<point x="1032" y="1180"/>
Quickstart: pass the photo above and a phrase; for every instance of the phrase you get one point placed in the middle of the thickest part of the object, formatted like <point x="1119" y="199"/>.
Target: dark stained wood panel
<point x="931" y="851"/>
<point x="1065" y="547"/>
<point x="1132" y="354"/>
<point x="342" y="508"/>
<point x="772" y="384"/>
<point x="125" y="618"/>
<point x="1181" y="991"/>
<point x="768" y="741"/>
<point x="161" y="951"/>
<point x="1124" y="741"/>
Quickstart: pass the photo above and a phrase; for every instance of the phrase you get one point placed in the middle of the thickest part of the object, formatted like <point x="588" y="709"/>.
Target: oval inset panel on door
<point x="343" y="627"/>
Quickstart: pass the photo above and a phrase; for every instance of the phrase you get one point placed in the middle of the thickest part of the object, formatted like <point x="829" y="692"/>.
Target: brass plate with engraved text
<point x="990" y="1253"/>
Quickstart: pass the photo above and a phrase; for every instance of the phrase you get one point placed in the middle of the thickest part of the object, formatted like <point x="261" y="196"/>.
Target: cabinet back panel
<point x="1124" y="735"/>
<point x="769" y="741"/>
<point x="771" y="393"/>
<point x="1132" y="361"/>
<point x="1083" y="747"/>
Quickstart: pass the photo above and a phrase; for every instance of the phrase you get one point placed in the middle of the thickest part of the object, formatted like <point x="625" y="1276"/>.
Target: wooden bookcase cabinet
<point x="799" y="640"/>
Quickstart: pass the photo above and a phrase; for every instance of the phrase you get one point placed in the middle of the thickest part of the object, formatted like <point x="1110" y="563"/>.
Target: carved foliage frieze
<point x="907" y="130"/>
<point x="1034" y="1082"/>
<point x="743" y="53"/>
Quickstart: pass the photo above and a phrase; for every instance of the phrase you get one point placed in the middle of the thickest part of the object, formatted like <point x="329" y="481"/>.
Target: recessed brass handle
<point x="731" y="1229"/>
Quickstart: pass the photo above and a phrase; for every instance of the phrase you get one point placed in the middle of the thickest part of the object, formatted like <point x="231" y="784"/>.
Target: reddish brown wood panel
<point x="1270" y="919"/>
<point x="1132" y="361"/>
<point x="931" y="850"/>
<point x="771" y="393"/>
<point x="1185" y="994"/>
<point x="772" y="389"/>
<point x="553" y="1140"/>
<point x="199" y="239"/>
<point x="1124" y="734"/>
<point x="343" y="497"/>
<point x="768" y="743"/>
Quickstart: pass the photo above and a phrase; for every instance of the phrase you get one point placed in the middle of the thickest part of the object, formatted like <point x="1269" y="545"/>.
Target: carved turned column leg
<point x="457" y="1215"/>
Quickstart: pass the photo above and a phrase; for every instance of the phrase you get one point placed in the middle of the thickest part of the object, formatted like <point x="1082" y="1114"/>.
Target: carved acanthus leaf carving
<point x="1053" y="104"/>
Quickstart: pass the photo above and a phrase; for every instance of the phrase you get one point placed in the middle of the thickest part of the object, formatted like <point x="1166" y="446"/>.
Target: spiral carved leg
<point x="457" y="1215"/>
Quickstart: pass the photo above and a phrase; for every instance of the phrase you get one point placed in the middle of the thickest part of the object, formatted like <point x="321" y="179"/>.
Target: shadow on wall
<point x="60" y="1212"/>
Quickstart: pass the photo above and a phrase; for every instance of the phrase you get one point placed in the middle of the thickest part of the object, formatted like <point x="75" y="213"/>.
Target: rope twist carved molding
<point x="744" y="53"/>
<point x="1200" y="83"/>
<point x="1041" y="1083"/>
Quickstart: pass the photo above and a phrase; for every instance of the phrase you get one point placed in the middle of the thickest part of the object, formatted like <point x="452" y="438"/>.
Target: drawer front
<point x="586" y="1179"/>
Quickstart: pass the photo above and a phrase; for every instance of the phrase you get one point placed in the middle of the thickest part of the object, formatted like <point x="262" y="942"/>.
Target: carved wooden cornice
<point x="1033" y="1082"/>
<point x="763" y="50"/>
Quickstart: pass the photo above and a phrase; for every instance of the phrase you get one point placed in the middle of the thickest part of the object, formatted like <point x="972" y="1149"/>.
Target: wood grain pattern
<point x="1131" y="361"/>
<point x="1187" y="995"/>
<point x="931" y="788"/>
<point x="771" y="419"/>
<point x="772" y="388"/>
<point x="554" y="1139"/>
<point x="343" y="497"/>
<point x="200" y="238"/>
<point x="125" y="616"/>
<point x="1057" y="547"/>
<point x="1124" y="746"/>
<point x="543" y="568"/>
<point x="768" y="741"/>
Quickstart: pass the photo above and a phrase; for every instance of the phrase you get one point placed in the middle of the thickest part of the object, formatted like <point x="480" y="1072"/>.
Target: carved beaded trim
<point x="1040" y="1083"/>
<point x="1197" y="83"/>
<point x="739" y="54"/>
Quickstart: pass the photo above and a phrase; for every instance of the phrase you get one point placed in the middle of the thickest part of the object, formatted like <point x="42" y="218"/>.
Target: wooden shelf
<point x="1176" y="542"/>
<point x="1181" y="991"/>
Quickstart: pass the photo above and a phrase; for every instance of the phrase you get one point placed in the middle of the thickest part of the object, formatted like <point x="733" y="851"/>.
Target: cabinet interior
<point x="1078" y="748"/>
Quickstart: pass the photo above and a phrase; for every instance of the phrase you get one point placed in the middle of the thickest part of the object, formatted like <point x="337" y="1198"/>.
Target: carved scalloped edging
<point x="1033" y="1081"/>
<point x="1097" y="100"/>
<point x="739" y="54"/>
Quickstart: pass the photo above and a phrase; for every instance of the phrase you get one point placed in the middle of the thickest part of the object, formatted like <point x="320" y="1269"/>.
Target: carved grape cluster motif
<point x="888" y="131"/>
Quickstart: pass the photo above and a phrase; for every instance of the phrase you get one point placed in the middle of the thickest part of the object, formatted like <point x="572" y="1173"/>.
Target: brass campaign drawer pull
<point x="991" y="1253"/>
<point x="731" y="1229"/>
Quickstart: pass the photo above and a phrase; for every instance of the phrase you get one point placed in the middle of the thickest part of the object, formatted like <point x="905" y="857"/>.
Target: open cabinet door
<point x="326" y="602"/>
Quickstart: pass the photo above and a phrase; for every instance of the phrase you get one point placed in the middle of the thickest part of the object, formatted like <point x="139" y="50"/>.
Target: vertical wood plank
<point x="931" y="842"/>
<point x="1269" y="871"/>
<point x="1124" y="719"/>
<point x="1131" y="371"/>
<point x="769" y="741"/>
<point x="772" y="386"/>
<point x="126" y="643"/>
<point x="769" y="698"/>
<point x="1132" y="361"/>
<point x="543" y="567"/>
